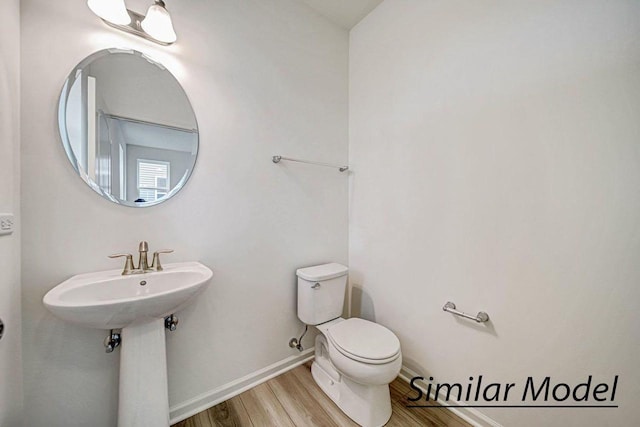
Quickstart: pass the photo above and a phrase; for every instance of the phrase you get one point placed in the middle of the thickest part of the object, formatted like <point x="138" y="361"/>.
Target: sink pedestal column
<point x="144" y="396"/>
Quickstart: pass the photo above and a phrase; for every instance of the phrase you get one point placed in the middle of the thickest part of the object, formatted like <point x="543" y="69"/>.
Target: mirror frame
<point x="66" y="143"/>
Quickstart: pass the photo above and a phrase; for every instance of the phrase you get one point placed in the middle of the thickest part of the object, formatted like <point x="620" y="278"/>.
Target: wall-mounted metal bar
<point x="135" y="28"/>
<point x="277" y="159"/>
<point x="481" y="317"/>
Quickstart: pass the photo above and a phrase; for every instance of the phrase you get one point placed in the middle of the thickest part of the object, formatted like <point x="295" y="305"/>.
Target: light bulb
<point x="113" y="11"/>
<point x="158" y="23"/>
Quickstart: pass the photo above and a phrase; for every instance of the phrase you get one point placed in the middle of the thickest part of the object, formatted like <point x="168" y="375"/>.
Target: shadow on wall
<point x="362" y="304"/>
<point x="487" y="327"/>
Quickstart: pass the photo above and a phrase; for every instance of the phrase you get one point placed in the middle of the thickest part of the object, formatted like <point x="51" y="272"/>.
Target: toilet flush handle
<point x="316" y="286"/>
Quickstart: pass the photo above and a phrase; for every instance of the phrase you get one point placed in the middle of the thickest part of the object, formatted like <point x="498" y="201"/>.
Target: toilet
<point x="355" y="359"/>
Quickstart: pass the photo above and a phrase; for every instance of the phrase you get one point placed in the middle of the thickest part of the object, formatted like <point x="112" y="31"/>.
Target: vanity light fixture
<point x="113" y="11"/>
<point x="156" y="26"/>
<point x="158" y="23"/>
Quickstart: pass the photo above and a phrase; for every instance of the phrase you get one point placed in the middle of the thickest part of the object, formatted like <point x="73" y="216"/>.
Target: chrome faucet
<point x="143" y="260"/>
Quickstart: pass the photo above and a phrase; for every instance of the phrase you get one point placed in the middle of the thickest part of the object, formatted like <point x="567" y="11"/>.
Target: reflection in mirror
<point x="128" y="127"/>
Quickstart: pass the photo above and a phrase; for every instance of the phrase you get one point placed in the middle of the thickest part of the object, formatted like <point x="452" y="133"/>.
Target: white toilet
<point x="355" y="360"/>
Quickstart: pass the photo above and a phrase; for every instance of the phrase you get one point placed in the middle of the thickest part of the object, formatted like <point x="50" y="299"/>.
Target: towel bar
<point x="481" y="317"/>
<point x="277" y="159"/>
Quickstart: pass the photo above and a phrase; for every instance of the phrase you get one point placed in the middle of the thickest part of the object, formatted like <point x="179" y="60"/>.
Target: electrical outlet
<point x="6" y="224"/>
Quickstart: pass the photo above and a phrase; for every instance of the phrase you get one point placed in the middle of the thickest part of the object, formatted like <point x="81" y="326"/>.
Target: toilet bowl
<point x="355" y="359"/>
<point x="355" y="374"/>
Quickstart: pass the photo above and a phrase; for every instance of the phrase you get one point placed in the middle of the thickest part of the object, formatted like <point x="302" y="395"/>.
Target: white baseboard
<point x="470" y="415"/>
<point x="211" y="398"/>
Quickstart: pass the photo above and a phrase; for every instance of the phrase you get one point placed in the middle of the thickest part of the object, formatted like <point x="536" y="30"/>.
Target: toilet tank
<point x="321" y="291"/>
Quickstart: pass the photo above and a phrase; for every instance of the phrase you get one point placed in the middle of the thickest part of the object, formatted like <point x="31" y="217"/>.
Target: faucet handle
<point x="155" y="264"/>
<point x="128" y="264"/>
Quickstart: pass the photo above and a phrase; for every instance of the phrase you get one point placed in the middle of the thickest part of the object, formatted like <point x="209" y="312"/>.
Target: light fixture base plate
<point x="135" y="28"/>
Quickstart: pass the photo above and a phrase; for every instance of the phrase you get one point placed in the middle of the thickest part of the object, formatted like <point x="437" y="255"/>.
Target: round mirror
<point x="128" y="127"/>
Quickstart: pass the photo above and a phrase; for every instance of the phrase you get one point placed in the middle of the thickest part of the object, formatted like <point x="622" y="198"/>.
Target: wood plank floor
<point x="293" y="399"/>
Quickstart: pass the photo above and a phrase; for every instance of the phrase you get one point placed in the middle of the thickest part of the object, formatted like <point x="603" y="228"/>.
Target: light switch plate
<point x="6" y="224"/>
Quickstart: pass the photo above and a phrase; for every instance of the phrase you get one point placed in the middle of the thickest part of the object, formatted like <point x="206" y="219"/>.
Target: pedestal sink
<point x="138" y="304"/>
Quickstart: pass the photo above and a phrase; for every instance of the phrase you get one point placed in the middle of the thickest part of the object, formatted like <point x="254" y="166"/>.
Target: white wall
<point x="495" y="150"/>
<point x="11" y="343"/>
<point x="265" y="77"/>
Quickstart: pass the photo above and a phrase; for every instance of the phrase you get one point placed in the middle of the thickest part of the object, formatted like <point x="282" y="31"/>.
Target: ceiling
<point x="346" y="13"/>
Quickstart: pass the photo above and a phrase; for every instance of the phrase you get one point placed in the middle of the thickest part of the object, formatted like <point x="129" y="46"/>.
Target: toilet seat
<point x="364" y="341"/>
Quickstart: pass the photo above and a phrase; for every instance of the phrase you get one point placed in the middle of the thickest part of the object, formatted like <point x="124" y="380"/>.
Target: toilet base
<point x="367" y="405"/>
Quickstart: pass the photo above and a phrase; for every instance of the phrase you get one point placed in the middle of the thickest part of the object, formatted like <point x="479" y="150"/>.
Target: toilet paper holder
<point x="481" y="317"/>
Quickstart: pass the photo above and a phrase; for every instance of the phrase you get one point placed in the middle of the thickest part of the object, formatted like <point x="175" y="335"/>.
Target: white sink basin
<point x="137" y="304"/>
<point x="108" y="300"/>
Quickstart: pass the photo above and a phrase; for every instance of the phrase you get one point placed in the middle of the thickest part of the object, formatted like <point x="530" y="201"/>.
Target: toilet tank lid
<point x="318" y="273"/>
